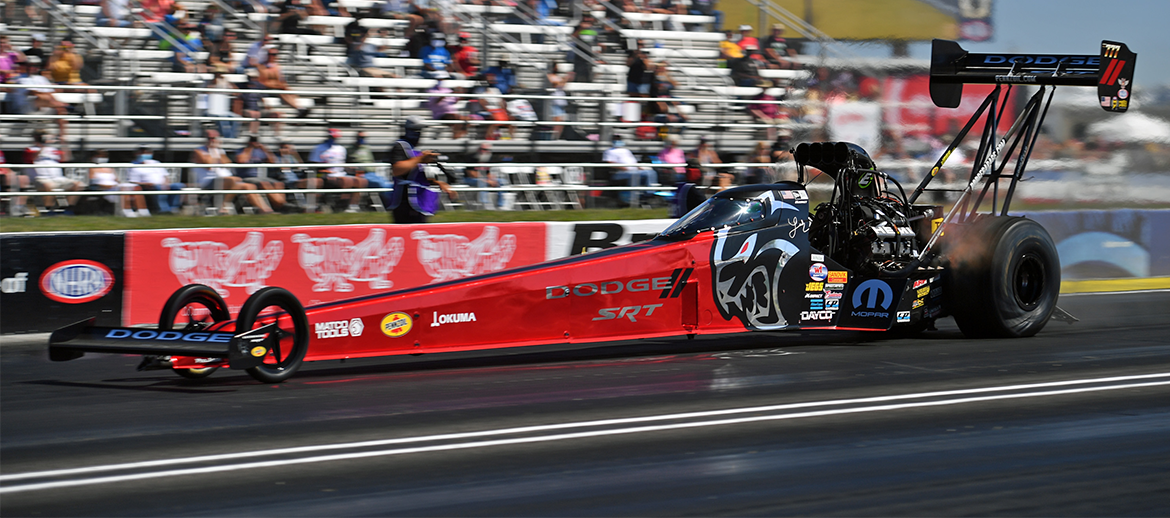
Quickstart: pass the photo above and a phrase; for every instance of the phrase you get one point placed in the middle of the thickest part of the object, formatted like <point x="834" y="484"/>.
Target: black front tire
<point x="270" y="305"/>
<point x="180" y="304"/>
<point x="1004" y="277"/>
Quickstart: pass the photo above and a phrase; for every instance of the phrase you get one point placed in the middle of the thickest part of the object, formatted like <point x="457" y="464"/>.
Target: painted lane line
<point x="559" y="437"/>
<point x="560" y="426"/>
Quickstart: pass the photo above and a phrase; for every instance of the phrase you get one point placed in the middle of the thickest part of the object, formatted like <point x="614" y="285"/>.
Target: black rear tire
<point x="1004" y="277"/>
<point x="270" y="305"/>
<point x="181" y="305"/>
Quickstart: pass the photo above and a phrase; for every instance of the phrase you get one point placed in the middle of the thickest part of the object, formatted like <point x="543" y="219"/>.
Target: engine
<point x="864" y="226"/>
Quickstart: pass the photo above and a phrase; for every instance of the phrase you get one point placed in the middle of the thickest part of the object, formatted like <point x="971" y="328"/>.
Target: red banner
<point x="917" y="114"/>
<point x="318" y="264"/>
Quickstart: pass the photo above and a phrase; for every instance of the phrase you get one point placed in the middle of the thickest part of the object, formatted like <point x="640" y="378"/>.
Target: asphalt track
<point x="1072" y="422"/>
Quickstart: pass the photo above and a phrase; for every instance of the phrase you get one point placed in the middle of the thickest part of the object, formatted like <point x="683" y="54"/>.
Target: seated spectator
<point x="362" y="153"/>
<point x="638" y="73"/>
<point x="258" y="52"/>
<point x="9" y="60"/>
<point x="330" y="152"/>
<point x="65" y="65"/>
<point x="493" y="109"/>
<point x="745" y="71"/>
<point x="221" y="178"/>
<point x="746" y="40"/>
<point x="211" y="25"/>
<point x="556" y="107"/>
<point x="443" y="107"/>
<point x="672" y="154"/>
<point x="707" y="8"/>
<point x="298" y="177"/>
<point x="502" y="77"/>
<point x="45" y="151"/>
<point x="257" y="153"/>
<point x="219" y="104"/>
<point x="251" y="105"/>
<point x="114" y="13"/>
<point x="729" y="50"/>
<point x="361" y="58"/>
<point x="219" y="56"/>
<point x="483" y="177"/>
<point x="761" y="154"/>
<point x="105" y="179"/>
<point x="665" y="110"/>
<point x="705" y="155"/>
<point x="776" y="50"/>
<point x="155" y="179"/>
<point x="636" y="176"/>
<point x="436" y="58"/>
<point x="465" y="57"/>
<point x="41" y="98"/>
<point x="768" y="113"/>
<point x="402" y="10"/>
<point x="292" y="13"/>
<point x="37" y="48"/>
<point x="272" y="77"/>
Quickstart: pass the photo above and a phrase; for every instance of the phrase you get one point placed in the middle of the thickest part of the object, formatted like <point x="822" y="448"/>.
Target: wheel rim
<point x="1028" y="281"/>
<point x="281" y="356"/>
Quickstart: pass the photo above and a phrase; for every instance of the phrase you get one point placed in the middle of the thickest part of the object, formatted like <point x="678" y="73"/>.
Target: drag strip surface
<point x="783" y="424"/>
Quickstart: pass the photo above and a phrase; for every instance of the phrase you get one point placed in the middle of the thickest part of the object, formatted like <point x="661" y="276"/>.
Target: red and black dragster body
<point x="748" y="259"/>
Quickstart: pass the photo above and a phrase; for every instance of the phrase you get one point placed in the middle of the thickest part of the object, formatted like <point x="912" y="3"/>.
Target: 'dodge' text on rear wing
<point x="1111" y="72"/>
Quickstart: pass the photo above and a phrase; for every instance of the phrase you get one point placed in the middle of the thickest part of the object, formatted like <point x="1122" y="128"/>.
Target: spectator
<point x="484" y="177"/>
<point x="761" y="154"/>
<point x="672" y="154"/>
<point x="37" y="49"/>
<point x="686" y="195"/>
<point x="155" y="11"/>
<point x="443" y="108"/>
<point x="291" y="15"/>
<point x="746" y="41"/>
<point x="502" y="76"/>
<point x="361" y="57"/>
<point x="258" y="52"/>
<point x="492" y="109"/>
<point x="362" y="153"/>
<point x="768" y="113"/>
<point x="114" y="13"/>
<point x="219" y="104"/>
<point x="155" y="179"/>
<point x="706" y="155"/>
<point x="413" y="199"/>
<point x="65" y="65"/>
<point x="45" y="151"/>
<point x="585" y="43"/>
<point x="729" y="51"/>
<point x="638" y="73"/>
<point x="776" y="50"/>
<point x="221" y="178"/>
<point x="465" y="60"/>
<point x="9" y="58"/>
<point x="219" y="58"/>
<point x="637" y="176"/>
<point x="297" y="177"/>
<point x="12" y="181"/>
<point x="105" y="179"/>
<point x="272" y="77"/>
<point x="257" y="153"/>
<point x="666" y="111"/>
<point x="745" y="71"/>
<point x="330" y="152"/>
<point x="250" y="104"/>
<point x="403" y="10"/>
<point x="42" y="98"/>
<point x="211" y="25"/>
<point x="436" y="58"/>
<point x="556" y="107"/>
<point x="707" y="8"/>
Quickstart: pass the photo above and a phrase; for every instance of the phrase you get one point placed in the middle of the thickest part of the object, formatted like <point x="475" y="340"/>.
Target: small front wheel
<point x="277" y="305"/>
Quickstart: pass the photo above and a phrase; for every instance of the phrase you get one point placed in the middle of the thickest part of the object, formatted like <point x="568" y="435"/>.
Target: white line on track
<point x="1119" y="383"/>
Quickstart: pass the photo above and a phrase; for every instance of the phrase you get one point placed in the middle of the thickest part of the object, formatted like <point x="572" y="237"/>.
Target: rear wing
<point x="1111" y="72"/>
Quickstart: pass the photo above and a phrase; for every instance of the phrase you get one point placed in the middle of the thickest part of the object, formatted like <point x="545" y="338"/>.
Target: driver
<point x="414" y="198"/>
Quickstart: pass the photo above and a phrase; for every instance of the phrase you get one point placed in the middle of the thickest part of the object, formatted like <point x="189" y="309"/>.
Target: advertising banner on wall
<point x="579" y="237"/>
<point x="317" y="264"/>
<point x="52" y="280"/>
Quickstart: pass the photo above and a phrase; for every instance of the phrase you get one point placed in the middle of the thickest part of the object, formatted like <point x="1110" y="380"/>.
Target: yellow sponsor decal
<point x="838" y="277"/>
<point x="395" y="325"/>
<point x="934" y="224"/>
<point x="917" y="304"/>
<point x="922" y="292"/>
<point x="259" y="351"/>
<point x="814" y="286"/>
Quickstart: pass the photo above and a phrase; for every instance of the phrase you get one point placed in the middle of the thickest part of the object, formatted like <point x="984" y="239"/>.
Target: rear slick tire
<point x="1004" y="278"/>
<point x="283" y="361"/>
<point x="183" y="298"/>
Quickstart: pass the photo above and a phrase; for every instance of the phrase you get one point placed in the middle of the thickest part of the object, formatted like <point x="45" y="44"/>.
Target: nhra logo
<point x="168" y="336"/>
<point x="76" y="281"/>
<point x="339" y="328"/>
<point x="671" y="286"/>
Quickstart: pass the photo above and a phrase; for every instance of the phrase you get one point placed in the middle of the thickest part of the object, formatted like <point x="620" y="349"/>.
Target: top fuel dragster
<point x="751" y="258"/>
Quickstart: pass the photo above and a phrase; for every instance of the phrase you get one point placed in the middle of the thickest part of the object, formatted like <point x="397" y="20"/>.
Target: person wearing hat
<point x="31" y="74"/>
<point x="414" y="198"/>
<point x="65" y="64"/>
<point x="502" y="76"/>
<point x="776" y="49"/>
<point x="37" y="49"/>
<point x="336" y="177"/>
<point x="465" y="58"/>
<point x="746" y="39"/>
